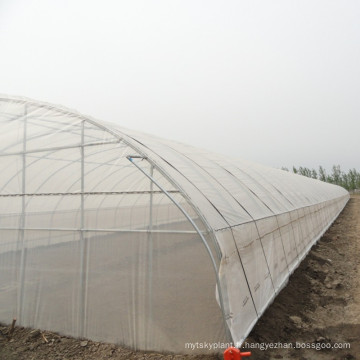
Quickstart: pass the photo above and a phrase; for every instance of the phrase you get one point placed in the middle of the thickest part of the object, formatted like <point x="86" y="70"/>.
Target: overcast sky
<point x="276" y="82"/>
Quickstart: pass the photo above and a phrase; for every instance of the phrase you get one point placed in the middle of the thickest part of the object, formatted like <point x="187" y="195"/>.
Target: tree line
<point x="349" y="180"/>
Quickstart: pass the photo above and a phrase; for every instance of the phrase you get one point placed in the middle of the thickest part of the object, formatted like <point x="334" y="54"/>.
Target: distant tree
<point x="329" y="179"/>
<point x="304" y="171"/>
<point x="345" y="181"/>
<point x="336" y="174"/>
<point x="357" y="180"/>
<point x="353" y="179"/>
<point x="322" y="173"/>
<point x="284" y="168"/>
<point x="350" y="180"/>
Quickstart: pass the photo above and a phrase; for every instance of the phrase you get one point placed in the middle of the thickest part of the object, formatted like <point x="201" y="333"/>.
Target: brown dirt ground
<point x="319" y="307"/>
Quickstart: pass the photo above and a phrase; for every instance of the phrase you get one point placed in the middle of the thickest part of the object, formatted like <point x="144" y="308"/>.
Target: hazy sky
<point x="277" y="82"/>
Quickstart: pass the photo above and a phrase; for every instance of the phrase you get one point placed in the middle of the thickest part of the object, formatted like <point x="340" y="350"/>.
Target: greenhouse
<point x="118" y="236"/>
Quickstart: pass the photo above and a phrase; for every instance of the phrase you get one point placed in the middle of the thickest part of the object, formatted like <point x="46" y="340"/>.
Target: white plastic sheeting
<point x="178" y="246"/>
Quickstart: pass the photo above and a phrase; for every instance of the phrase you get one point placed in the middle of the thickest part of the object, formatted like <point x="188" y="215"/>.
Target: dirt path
<point x="319" y="307"/>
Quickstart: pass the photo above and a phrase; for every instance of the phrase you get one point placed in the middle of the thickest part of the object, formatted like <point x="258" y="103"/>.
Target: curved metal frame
<point x="130" y="158"/>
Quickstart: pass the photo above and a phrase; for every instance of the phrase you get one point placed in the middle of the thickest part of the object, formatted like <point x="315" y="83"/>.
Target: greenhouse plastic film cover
<point x="119" y="236"/>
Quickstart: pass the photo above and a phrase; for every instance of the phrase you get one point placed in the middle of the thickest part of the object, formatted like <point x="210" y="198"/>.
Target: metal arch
<point x="128" y="140"/>
<point x="60" y="200"/>
<point x="231" y="227"/>
<point x="130" y="158"/>
<point x="49" y="151"/>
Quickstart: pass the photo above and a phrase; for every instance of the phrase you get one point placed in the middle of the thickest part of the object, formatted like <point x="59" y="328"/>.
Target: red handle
<point x="233" y="353"/>
<point x="248" y="353"/>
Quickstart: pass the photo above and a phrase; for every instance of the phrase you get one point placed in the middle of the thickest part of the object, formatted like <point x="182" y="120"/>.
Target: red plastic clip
<point x="233" y="353"/>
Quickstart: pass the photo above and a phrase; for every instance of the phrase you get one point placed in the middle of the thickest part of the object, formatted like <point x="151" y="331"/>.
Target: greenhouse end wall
<point x="177" y="246"/>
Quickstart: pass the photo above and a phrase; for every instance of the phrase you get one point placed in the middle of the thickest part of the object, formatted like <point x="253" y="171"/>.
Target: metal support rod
<point x="150" y="258"/>
<point x="56" y="148"/>
<point x="21" y="242"/>
<point x="83" y="243"/>
<point x="130" y="158"/>
<point x="87" y="193"/>
<point x="151" y="198"/>
<point x="114" y="230"/>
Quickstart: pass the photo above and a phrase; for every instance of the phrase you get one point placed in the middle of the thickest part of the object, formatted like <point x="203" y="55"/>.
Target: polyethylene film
<point x="119" y="236"/>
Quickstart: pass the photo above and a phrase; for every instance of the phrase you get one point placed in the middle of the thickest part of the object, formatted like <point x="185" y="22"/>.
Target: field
<point x="320" y="307"/>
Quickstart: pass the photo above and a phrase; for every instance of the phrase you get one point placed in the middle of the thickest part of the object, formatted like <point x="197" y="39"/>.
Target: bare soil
<point x="320" y="307"/>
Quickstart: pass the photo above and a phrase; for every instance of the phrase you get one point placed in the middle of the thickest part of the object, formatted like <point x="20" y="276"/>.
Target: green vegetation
<point x="350" y="180"/>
